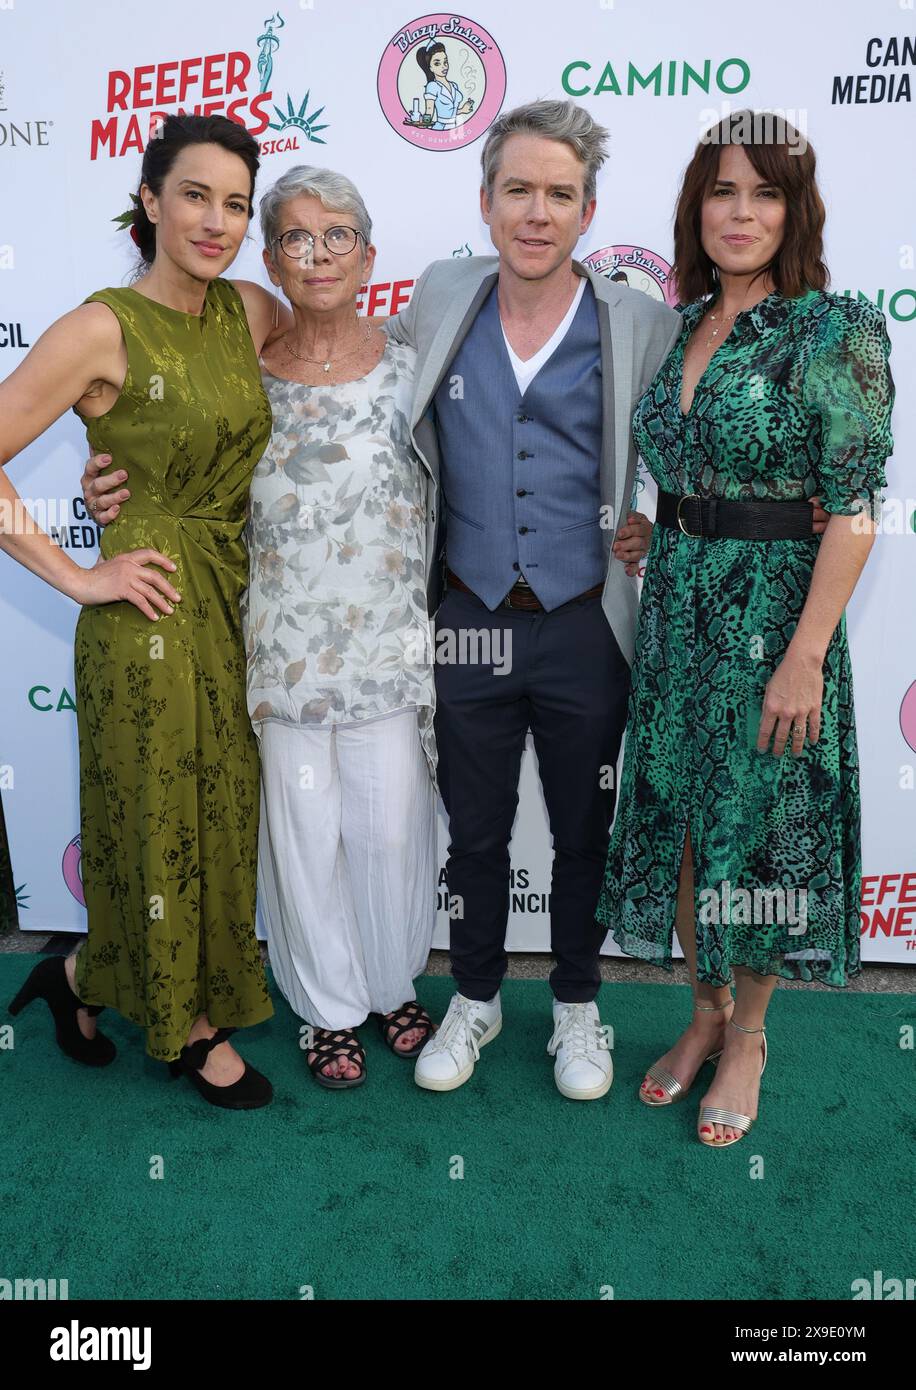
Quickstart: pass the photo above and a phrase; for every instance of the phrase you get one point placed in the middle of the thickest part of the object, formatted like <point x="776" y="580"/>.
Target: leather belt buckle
<point x="688" y="497"/>
<point x="528" y="601"/>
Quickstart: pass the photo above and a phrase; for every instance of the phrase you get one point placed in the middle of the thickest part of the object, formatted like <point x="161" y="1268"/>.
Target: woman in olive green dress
<point x="165" y="374"/>
<point x="776" y="392"/>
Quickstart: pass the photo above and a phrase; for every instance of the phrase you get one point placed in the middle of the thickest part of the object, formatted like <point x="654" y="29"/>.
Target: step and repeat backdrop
<point x="337" y="83"/>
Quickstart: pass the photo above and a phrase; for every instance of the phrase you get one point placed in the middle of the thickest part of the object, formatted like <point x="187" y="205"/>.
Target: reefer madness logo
<point x="230" y="83"/>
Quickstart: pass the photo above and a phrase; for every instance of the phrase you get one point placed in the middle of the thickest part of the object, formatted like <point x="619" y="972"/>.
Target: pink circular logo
<point x="441" y="81"/>
<point x="635" y="266"/>
<point x="908" y="716"/>
<point x="71" y="870"/>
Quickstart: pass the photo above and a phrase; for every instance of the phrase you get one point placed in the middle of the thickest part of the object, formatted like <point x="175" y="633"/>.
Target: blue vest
<point x="520" y="475"/>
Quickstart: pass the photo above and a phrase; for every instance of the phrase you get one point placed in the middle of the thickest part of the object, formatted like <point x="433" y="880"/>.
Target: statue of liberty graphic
<point x="268" y="43"/>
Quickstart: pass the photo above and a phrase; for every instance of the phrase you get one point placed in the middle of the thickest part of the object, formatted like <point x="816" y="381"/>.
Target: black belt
<point x="738" y="520"/>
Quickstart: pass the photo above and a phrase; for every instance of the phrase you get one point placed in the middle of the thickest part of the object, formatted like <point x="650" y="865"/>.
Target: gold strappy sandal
<point x="666" y="1080"/>
<point x="712" y="1115"/>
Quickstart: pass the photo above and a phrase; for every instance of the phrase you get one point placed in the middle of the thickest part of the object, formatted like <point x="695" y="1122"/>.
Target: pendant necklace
<point x="725" y="318"/>
<point x="325" y="363"/>
<point x="714" y="318"/>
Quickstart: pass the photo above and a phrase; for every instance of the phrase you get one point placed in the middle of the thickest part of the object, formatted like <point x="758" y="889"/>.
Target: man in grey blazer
<point x="529" y="367"/>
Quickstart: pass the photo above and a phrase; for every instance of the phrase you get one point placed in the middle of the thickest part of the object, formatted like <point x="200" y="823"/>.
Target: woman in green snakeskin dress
<point x="775" y="391"/>
<point x="165" y="374"/>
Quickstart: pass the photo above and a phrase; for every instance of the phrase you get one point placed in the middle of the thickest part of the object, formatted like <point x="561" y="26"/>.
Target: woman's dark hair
<point x="425" y="55"/>
<point x="176" y="133"/>
<point x="783" y="158"/>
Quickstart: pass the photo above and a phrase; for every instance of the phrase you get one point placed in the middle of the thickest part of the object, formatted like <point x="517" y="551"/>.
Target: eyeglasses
<point x="297" y="242"/>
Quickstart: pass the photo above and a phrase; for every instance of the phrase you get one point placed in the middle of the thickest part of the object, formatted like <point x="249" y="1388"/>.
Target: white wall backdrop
<point x="333" y="82"/>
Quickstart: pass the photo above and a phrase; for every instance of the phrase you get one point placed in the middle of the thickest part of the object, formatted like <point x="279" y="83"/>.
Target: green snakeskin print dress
<point x="795" y="403"/>
<point x="168" y="762"/>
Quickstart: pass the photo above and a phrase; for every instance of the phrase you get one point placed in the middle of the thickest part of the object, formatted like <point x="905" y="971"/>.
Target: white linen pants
<point x="347" y="865"/>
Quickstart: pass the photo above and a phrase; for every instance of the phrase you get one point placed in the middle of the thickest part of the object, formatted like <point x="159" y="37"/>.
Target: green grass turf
<point x="350" y="1192"/>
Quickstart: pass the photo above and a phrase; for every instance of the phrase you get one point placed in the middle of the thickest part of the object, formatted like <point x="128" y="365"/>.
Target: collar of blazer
<point x="474" y="279"/>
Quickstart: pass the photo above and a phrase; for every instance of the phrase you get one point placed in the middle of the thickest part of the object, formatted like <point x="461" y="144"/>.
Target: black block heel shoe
<point x="48" y="981"/>
<point x="250" y="1092"/>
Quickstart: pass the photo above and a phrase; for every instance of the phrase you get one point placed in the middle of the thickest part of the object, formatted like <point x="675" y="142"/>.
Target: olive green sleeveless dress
<point x="168" y="762"/>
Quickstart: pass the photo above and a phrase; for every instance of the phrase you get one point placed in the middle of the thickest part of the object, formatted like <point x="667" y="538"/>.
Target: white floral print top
<point x="335" y="619"/>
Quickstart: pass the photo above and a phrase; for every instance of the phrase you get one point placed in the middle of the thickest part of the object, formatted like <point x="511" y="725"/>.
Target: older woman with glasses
<point x="340" y="687"/>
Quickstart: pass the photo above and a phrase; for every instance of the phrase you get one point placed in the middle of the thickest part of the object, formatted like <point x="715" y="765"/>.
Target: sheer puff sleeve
<point x="849" y="387"/>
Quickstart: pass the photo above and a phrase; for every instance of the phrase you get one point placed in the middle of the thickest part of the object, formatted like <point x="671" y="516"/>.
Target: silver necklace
<point x="326" y="363"/>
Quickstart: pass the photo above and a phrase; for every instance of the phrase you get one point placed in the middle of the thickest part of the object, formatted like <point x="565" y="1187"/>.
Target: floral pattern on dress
<point x="335" y="618"/>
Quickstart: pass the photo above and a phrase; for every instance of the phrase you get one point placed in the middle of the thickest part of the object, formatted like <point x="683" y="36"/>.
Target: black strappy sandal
<point x="328" y="1045"/>
<point x="416" y="1016"/>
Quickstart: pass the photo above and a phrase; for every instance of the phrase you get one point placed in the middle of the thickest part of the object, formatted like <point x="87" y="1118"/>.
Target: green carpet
<point x="350" y="1193"/>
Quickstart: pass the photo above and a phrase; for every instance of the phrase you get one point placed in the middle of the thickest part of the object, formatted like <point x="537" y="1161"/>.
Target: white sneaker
<point x="583" y="1069"/>
<point x="448" y="1058"/>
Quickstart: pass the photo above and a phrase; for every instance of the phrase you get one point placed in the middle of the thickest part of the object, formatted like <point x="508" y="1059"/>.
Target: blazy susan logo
<point x="908" y="716"/>
<point x="215" y="84"/>
<point x="640" y="269"/>
<point x="441" y="81"/>
<point x="635" y="266"/>
<point x="71" y="868"/>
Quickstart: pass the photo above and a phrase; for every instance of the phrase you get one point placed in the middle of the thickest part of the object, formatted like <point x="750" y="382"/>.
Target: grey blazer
<point x="637" y="333"/>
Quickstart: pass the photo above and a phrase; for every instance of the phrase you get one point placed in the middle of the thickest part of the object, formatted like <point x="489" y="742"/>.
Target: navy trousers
<point x="570" y="685"/>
